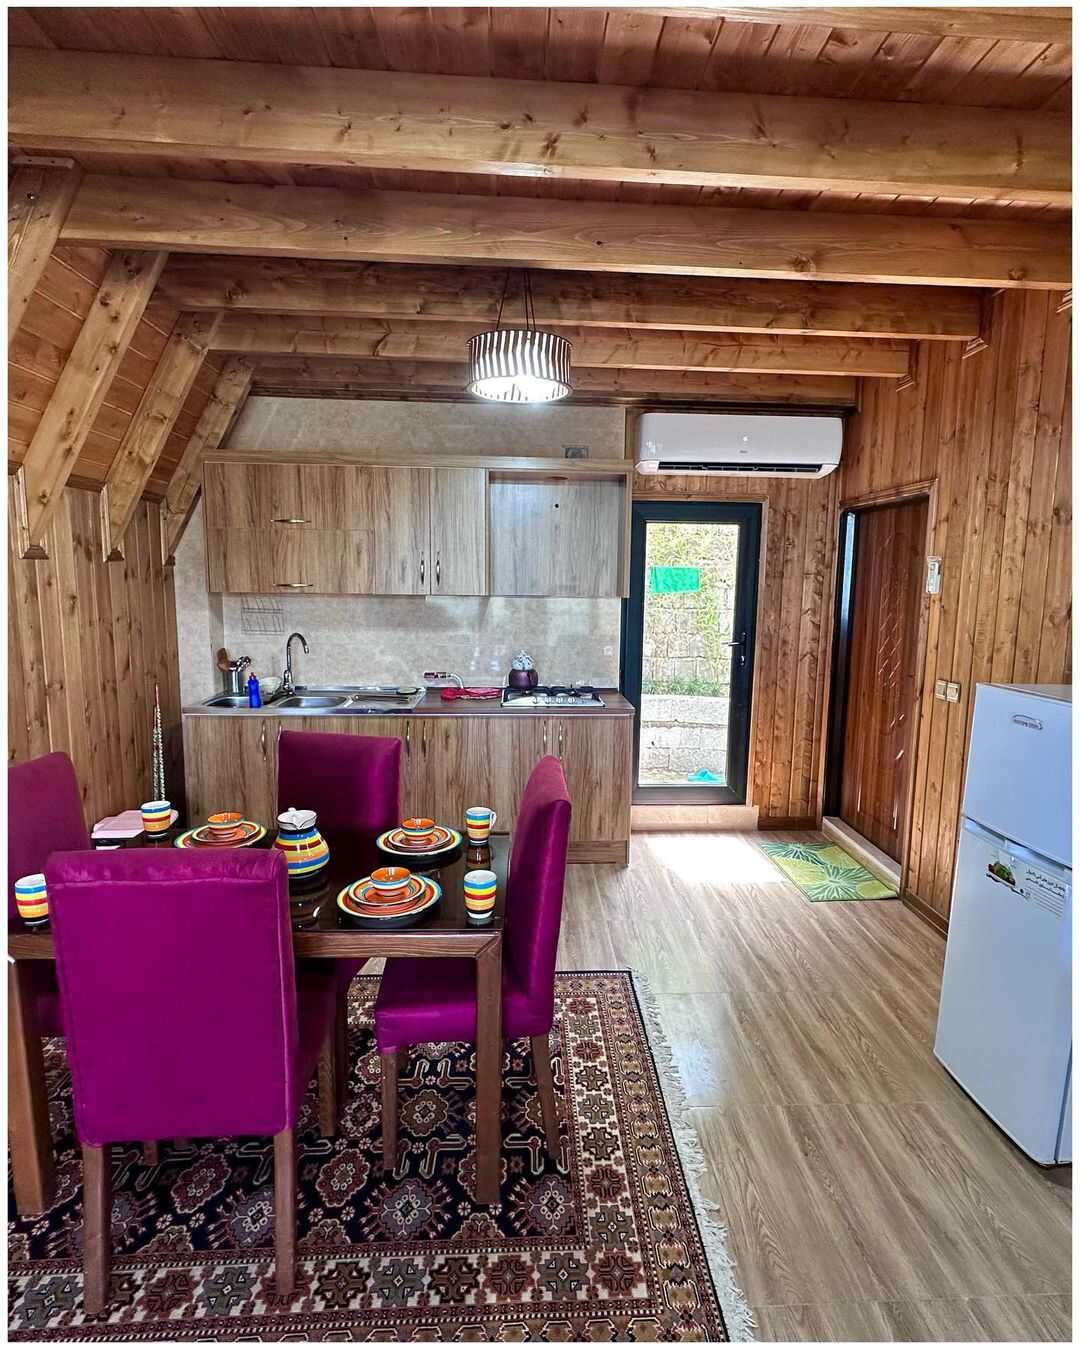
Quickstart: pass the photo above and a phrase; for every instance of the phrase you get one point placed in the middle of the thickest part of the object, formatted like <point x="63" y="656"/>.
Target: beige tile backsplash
<point x="395" y="639"/>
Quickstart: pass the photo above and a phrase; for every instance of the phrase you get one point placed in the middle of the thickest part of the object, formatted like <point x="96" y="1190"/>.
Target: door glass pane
<point x="686" y="660"/>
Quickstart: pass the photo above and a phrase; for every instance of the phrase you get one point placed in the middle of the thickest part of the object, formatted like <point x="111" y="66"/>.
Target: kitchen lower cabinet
<point x="448" y="764"/>
<point x="230" y="764"/>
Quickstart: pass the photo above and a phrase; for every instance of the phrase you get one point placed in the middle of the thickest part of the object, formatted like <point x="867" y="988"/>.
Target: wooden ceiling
<point x="841" y="184"/>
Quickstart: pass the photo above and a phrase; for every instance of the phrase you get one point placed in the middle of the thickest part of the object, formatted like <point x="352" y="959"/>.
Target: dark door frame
<point x="846" y="552"/>
<point x="748" y="515"/>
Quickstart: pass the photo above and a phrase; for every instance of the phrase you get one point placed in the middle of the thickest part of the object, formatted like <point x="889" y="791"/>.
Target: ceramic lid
<point x="296" y="819"/>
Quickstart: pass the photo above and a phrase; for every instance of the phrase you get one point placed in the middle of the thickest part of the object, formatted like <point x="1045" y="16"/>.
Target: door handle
<point x="408" y="738"/>
<point x="438" y="569"/>
<point x="423" y="569"/>
<point x="741" y="644"/>
<point x="289" y="520"/>
<point x="292" y="585"/>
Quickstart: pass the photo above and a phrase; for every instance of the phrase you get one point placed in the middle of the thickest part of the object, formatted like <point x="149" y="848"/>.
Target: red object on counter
<point x="449" y="695"/>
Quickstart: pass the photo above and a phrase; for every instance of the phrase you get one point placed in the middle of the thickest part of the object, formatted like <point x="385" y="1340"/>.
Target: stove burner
<point x="553" y="695"/>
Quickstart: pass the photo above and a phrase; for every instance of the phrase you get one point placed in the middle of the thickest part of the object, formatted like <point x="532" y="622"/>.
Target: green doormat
<point x="827" y="872"/>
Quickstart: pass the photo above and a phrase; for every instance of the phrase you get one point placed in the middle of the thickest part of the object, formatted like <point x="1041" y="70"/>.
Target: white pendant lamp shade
<point x="519" y="365"/>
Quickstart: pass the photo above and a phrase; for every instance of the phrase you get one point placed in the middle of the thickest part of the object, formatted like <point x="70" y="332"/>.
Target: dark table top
<point x="320" y="929"/>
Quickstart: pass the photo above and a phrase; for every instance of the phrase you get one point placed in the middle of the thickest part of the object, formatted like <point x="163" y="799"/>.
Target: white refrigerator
<point x="1005" y="1020"/>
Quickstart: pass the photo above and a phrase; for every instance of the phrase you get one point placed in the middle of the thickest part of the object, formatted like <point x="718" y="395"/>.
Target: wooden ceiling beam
<point x="579" y="299"/>
<point x="164" y="396"/>
<point x="80" y="391"/>
<point x="224" y="403"/>
<point x="1012" y="23"/>
<point x="331" y="223"/>
<point x="323" y="377"/>
<point x="593" y="347"/>
<point x="123" y="104"/>
<point x="39" y="197"/>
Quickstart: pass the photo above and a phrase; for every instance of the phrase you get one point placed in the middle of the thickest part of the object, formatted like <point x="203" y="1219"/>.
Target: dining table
<point x="321" y="932"/>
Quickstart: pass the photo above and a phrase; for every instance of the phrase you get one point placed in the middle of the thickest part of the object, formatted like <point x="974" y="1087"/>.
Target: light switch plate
<point x="941" y="689"/>
<point x="933" y="576"/>
<point x="952" y="692"/>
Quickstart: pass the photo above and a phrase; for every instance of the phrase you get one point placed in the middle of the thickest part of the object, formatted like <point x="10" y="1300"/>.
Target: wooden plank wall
<point x="86" y="642"/>
<point x="43" y="343"/>
<point x="993" y="431"/>
<point x="794" y="633"/>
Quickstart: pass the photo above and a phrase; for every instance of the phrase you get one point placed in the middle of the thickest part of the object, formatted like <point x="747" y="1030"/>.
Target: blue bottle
<point x="254" y="697"/>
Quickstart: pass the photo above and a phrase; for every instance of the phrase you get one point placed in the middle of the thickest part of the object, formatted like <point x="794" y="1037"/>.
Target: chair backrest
<point x="45" y="815"/>
<point x="352" y="783"/>
<point x="534" y="887"/>
<point x="178" y="991"/>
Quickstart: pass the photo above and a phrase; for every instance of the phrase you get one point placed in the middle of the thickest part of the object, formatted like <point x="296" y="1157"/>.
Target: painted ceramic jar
<point x="306" y="851"/>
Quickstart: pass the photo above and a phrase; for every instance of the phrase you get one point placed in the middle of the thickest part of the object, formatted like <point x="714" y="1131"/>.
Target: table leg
<point x="489" y="1056"/>
<point x="28" y="1109"/>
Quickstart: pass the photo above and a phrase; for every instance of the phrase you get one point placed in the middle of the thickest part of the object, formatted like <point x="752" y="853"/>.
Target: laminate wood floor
<point x="866" y="1197"/>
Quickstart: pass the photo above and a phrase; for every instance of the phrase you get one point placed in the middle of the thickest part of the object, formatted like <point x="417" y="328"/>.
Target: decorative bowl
<point x="418" y="829"/>
<point x="390" y="881"/>
<point x="224" y="824"/>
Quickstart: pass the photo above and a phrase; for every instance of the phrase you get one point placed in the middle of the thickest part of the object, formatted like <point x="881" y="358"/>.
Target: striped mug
<point x="156" y="817"/>
<point x="31" y="899"/>
<point x="479" y="822"/>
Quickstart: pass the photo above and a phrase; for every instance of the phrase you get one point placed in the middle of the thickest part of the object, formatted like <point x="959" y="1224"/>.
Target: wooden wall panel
<point x="992" y="431"/>
<point x="54" y="316"/>
<point x="86" y="642"/>
<point x="794" y="633"/>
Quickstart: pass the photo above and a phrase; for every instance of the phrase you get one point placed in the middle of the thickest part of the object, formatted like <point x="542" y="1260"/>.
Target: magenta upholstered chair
<point x="436" y="1000"/>
<point x="353" y="784"/>
<point x="184" y="1014"/>
<point x="45" y="815"/>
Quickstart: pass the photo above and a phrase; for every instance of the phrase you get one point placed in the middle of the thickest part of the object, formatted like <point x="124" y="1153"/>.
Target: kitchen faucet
<point x="287" y="678"/>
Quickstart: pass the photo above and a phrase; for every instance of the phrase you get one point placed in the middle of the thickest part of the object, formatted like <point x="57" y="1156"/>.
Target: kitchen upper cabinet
<point x="558" y="536"/>
<point x="257" y="496"/>
<point x="399" y="516"/>
<point x="282" y="559"/>
<point x="459" y="532"/>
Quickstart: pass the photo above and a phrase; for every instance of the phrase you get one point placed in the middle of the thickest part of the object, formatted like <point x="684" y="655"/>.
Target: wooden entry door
<point x="882" y="679"/>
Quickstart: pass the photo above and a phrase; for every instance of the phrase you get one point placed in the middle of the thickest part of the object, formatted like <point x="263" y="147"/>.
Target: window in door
<point x="688" y="647"/>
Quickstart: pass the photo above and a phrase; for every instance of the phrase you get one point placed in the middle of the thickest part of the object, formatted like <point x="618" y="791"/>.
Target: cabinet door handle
<point x="423" y="740"/>
<point x="562" y="734"/>
<point x="262" y="739"/>
<point x="438" y="569"/>
<point x="408" y="738"/>
<point x="545" y="737"/>
<point x="423" y="569"/>
<point x="289" y="520"/>
<point x="293" y="585"/>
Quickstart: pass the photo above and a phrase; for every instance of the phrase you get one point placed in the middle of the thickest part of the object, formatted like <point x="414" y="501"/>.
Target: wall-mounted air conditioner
<point x="739" y="443"/>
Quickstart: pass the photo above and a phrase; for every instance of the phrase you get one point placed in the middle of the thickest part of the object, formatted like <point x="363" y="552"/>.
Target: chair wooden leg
<point x="545" y="1082"/>
<point x="328" y="1086"/>
<point x="151" y="1152"/>
<point x="285" y="1211"/>
<point x="341" y="1050"/>
<point x="97" y="1223"/>
<point x="391" y="1065"/>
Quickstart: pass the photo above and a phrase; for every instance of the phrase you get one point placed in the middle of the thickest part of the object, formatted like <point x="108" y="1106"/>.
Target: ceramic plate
<point x="249" y="832"/>
<point x="389" y="916"/>
<point x="394" y="841"/>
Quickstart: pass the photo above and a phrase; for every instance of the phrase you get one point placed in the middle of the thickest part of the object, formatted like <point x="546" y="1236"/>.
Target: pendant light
<point x="519" y="365"/>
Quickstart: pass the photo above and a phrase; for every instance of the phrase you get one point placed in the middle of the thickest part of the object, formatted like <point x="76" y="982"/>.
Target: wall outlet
<point x="933" y="576"/>
<point x="576" y="452"/>
<point x="941" y="690"/>
<point x="952" y="692"/>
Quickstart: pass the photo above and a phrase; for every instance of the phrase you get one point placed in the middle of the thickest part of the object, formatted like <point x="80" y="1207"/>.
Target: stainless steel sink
<point x="227" y="701"/>
<point x="313" y="701"/>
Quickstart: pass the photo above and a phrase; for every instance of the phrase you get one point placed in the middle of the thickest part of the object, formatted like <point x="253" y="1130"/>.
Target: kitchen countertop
<point x="432" y="705"/>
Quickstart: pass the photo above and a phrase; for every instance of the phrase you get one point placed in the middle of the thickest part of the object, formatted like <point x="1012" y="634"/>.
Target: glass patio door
<point x="688" y="648"/>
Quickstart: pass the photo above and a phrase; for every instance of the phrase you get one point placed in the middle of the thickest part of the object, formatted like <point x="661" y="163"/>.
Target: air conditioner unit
<point x="739" y="443"/>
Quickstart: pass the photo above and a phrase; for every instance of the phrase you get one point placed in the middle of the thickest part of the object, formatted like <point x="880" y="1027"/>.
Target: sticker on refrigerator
<point x="1041" y="887"/>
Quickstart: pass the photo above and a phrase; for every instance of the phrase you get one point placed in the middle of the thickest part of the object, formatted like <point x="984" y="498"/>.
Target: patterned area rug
<point x="827" y="872"/>
<point x="607" y="1245"/>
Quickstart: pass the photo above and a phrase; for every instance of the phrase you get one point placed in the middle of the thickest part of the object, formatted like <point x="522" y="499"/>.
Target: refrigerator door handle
<point x="1011" y="847"/>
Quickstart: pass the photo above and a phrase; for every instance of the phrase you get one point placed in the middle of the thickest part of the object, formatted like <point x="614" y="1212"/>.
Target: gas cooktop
<point x="553" y="696"/>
